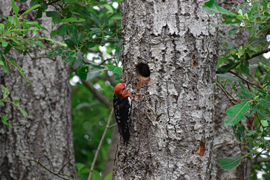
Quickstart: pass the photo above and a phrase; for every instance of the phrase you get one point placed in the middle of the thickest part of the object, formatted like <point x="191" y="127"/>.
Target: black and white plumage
<point x="122" y="109"/>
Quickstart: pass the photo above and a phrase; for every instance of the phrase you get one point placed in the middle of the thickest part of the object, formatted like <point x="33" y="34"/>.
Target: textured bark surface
<point x="225" y="143"/>
<point x="46" y="134"/>
<point x="175" y="108"/>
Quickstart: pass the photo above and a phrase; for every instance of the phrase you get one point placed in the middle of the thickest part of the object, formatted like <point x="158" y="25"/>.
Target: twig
<point x="64" y="165"/>
<point x="231" y="99"/>
<point x="91" y="63"/>
<point x="55" y="173"/>
<point x="245" y="80"/>
<point x="103" y="99"/>
<point x="259" y="160"/>
<point x="254" y="55"/>
<point x="112" y="125"/>
<point x="99" y="146"/>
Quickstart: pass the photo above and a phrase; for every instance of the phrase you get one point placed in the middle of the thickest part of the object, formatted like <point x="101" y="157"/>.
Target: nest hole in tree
<point x="143" y="71"/>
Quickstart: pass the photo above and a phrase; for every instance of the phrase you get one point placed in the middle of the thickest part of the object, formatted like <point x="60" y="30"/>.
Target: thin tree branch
<point x="103" y="99"/>
<point x="260" y="160"/>
<point x="99" y="146"/>
<point x="245" y="80"/>
<point x="112" y="125"/>
<point x="254" y="55"/>
<point x="55" y="173"/>
<point x="231" y="99"/>
<point x="64" y="165"/>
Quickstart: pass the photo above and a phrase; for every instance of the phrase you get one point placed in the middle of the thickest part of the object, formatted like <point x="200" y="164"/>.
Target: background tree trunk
<point x="46" y="134"/>
<point x="225" y="144"/>
<point x="172" y="126"/>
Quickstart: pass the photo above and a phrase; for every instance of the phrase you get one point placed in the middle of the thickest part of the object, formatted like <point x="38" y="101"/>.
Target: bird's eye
<point x="123" y="89"/>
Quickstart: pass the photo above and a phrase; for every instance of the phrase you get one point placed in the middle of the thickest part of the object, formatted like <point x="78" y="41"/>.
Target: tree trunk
<point x="225" y="144"/>
<point x="172" y="127"/>
<point x="46" y="135"/>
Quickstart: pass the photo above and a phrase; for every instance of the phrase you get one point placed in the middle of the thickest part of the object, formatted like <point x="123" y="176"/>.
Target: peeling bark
<point x="46" y="134"/>
<point x="172" y="127"/>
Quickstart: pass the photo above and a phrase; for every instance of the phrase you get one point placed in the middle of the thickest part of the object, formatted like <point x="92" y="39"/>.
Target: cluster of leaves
<point x="85" y="26"/>
<point x="244" y="76"/>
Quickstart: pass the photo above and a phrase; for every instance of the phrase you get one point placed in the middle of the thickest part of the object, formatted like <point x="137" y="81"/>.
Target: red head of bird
<point x="121" y="91"/>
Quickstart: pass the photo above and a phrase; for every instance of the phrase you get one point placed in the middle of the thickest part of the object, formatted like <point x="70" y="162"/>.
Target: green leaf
<point x="236" y="113"/>
<point x="1" y="63"/>
<point x="239" y="131"/>
<point x="264" y="123"/>
<point x="258" y="73"/>
<point x="109" y="176"/>
<point x="62" y="30"/>
<point x="251" y="133"/>
<point x="226" y="67"/>
<point x="95" y="18"/>
<point x="15" y="7"/>
<point x="79" y="166"/>
<point x="245" y="91"/>
<point x="24" y="113"/>
<point x="267" y="77"/>
<point x="7" y="49"/>
<point x="4" y="91"/>
<point x="58" y="42"/>
<point x="115" y="69"/>
<point x="243" y="69"/>
<point x="4" y="120"/>
<point x="93" y="72"/>
<point x="264" y="5"/>
<point x="56" y="52"/>
<point x="259" y="40"/>
<point x="240" y="52"/>
<point x="6" y="67"/>
<point x="31" y="9"/>
<point x="79" y="61"/>
<point x="73" y="19"/>
<point x="96" y="175"/>
<point x="82" y="73"/>
<point x="56" y="17"/>
<point x="35" y="24"/>
<point x="230" y="162"/>
<point x="1" y="103"/>
<point x="69" y="57"/>
<point x="3" y="43"/>
<point x="118" y="50"/>
<point x="233" y="30"/>
<point x="34" y="2"/>
<point x="211" y="8"/>
<point x="231" y="20"/>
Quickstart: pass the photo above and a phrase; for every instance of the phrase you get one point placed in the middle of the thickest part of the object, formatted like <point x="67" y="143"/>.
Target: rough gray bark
<point x="173" y="120"/>
<point x="46" y="134"/>
<point x="225" y="143"/>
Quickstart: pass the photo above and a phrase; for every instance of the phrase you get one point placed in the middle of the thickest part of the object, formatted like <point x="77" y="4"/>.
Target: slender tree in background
<point x="225" y="144"/>
<point x="170" y="50"/>
<point x="44" y="138"/>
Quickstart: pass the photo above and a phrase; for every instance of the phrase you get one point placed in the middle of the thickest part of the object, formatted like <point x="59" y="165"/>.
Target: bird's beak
<point x="127" y="83"/>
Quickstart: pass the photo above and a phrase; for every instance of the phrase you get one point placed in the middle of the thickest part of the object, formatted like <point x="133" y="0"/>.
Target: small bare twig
<point x="64" y="165"/>
<point x="231" y="99"/>
<point x="245" y="80"/>
<point x="112" y="125"/>
<point x="99" y="146"/>
<point x="55" y="173"/>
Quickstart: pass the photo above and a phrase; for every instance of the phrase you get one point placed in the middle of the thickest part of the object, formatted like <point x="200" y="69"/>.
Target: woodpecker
<point x="122" y="104"/>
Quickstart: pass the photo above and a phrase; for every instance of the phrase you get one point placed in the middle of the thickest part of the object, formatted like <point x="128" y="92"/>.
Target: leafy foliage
<point x="235" y="65"/>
